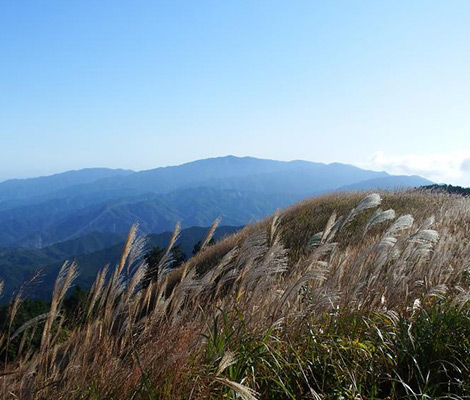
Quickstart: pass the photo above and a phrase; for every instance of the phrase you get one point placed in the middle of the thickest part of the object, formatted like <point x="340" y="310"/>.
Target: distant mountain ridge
<point x="42" y="211"/>
<point x="221" y="172"/>
<point x="15" y="189"/>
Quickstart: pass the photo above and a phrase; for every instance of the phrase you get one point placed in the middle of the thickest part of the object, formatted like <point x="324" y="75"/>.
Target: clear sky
<point x="140" y="84"/>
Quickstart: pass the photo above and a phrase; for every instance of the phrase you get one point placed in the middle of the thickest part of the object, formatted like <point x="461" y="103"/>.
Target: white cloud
<point x="466" y="165"/>
<point x="453" y="168"/>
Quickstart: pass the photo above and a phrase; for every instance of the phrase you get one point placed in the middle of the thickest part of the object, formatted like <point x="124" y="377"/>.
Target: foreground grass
<point x="306" y="304"/>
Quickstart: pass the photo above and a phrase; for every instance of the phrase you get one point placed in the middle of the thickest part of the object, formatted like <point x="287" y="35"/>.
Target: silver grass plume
<point x="137" y="277"/>
<point x="319" y="275"/>
<point x="113" y="290"/>
<point x="462" y="298"/>
<point x="165" y="262"/>
<point x="127" y="247"/>
<point x="326" y="250"/>
<point x="15" y="305"/>
<point x="97" y="289"/>
<point x="67" y="275"/>
<point x="132" y="281"/>
<point x="329" y="225"/>
<point x="420" y="245"/>
<point x="254" y="247"/>
<point x="334" y="229"/>
<point x="274" y="227"/>
<point x="327" y="234"/>
<point x="206" y="282"/>
<point x="243" y="391"/>
<point x="29" y="324"/>
<point x="137" y="252"/>
<point x="438" y="291"/>
<point x="229" y="358"/>
<point x="115" y="285"/>
<point x="174" y="238"/>
<point x="315" y="240"/>
<point x="160" y="300"/>
<point x="402" y="223"/>
<point x="379" y="217"/>
<point x="428" y="223"/>
<point x="370" y="201"/>
<point x="425" y="235"/>
<point x="230" y="276"/>
<point x="274" y="262"/>
<point x="211" y="232"/>
<point x="19" y="298"/>
<point x="258" y="260"/>
<point x="148" y="295"/>
<point x="180" y="293"/>
<point x="386" y="249"/>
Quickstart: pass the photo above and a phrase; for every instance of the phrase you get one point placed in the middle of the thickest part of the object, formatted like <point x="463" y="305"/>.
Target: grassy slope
<point x="277" y="312"/>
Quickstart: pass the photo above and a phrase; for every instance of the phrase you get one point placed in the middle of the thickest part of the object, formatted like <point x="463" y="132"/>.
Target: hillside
<point x="340" y="296"/>
<point x="42" y="211"/>
<point x="17" y="265"/>
<point x="463" y="191"/>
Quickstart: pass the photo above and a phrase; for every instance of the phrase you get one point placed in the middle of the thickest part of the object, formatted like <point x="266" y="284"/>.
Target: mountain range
<point x="39" y="212"/>
<point x="86" y="214"/>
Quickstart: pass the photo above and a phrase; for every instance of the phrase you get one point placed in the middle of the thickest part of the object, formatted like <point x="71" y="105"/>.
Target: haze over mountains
<point x="42" y="211"/>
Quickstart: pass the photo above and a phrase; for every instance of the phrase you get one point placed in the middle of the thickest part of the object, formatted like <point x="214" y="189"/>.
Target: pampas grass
<point x="305" y="304"/>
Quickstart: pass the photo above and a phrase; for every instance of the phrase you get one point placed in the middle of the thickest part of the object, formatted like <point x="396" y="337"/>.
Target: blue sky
<point x="141" y="84"/>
